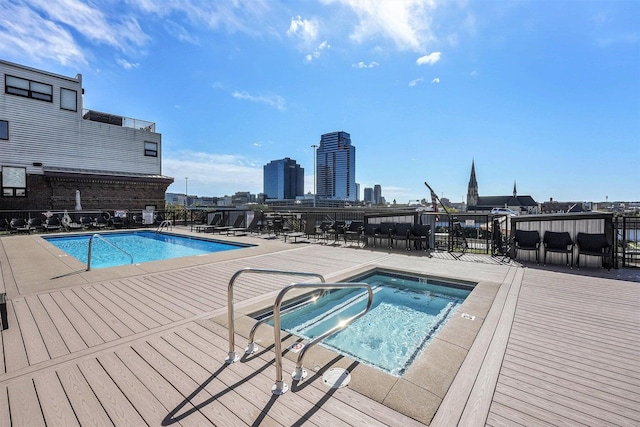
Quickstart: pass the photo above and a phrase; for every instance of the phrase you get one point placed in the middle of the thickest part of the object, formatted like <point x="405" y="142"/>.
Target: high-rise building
<point x="283" y="179"/>
<point x="377" y="194"/>
<point x="368" y="195"/>
<point x="336" y="167"/>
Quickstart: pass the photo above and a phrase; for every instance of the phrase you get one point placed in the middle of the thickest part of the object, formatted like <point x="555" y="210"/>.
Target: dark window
<point x="4" y="129"/>
<point x="14" y="182"/>
<point x="151" y="149"/>
<point x="28" y="88"/>
<point x="68" y="99"/>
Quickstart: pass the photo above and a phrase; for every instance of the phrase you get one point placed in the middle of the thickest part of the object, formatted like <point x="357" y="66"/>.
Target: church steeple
<point x="515" y="192"/>
<point x="472" y="191"/>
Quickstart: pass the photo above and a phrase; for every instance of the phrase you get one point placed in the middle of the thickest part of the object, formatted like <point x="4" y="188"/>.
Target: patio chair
<point x="36" y="224"/>
<point x="419" y="236"/>
<point x="19" y="225"/>
<point x="354" y="232"/>
<point x="85" y="222"/>
<point x="594" y="244"/>
<point x="384" y="232"/>
<point x="369" y="232"/>
<point x="336" y="230"/>
<point x="400" y="233"/>
<point x="100" y="222"/>
<point x="499" y="245"/>
<point x="137" y="220"/>
<point x="236" y="224"/>
<point x="52" y="224"/>
<point x="558" y="242"/>
<point x="527" y="241"/>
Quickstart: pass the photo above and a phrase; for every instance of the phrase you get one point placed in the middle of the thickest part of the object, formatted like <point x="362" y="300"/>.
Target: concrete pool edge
<point x="427" y="380"/>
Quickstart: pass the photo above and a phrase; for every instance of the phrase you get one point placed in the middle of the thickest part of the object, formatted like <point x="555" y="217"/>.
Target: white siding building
<point x="50" y="146"/>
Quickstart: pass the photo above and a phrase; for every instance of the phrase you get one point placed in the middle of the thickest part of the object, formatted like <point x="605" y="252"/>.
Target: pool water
<point x="143" y="246"/>
<point x="406" y="314"/>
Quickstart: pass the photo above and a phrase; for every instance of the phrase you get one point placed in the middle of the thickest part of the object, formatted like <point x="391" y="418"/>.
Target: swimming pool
<point x="143" y="246"/>
<point x="406" y="315"/>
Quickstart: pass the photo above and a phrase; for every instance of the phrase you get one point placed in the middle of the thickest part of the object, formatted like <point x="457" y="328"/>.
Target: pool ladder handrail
<point x="165" y="223"/>
<point x="280" y="387"/>
<point x="107" y="242"/>
<point x="232" y="356"/>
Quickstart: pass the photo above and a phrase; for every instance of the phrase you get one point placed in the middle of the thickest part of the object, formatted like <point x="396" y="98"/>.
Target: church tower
<point x="472" y="191"/>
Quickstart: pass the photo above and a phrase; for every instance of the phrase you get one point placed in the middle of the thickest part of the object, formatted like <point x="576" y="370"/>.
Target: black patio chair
<point x="369" y="233"/>
<point x="419" y="236"/>
<point x="594" y="244"/>
<point x="558" y="242"/>
<point x="400" y="233"/>
<point x="527" y="241"/>
<point x="19" y="225"/>
<point x="384" y="232"/>
<point x="354" y="232"/>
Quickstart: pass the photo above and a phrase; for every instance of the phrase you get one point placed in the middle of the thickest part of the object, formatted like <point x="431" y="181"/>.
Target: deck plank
<point x="5" y="420"/>
<point x="121" y="322"/>
<point x="148" y="315"/>
<point x="33" y="342"/>
<point x="140" y="397"/>
<point x="54" y="403"/>
<point x="72" y="339"/>
<point x="160" y="305"/>
<point x="89" y="336"/>
<point x="163" y="390"/>
<point x="105" y="332"/>
<point x="85" y="403"/>
<point x="120" y="410"/>
<point x="24" y="404"/>
<point x="54" y="342"/>
<point x="15" y="353"/>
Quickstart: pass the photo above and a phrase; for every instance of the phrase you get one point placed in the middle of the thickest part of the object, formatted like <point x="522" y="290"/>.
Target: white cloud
<point x="27" y="34"/>
<point x="415" y="82"/>
<point x="317" y="52"/>
<point x="212" y="174"/>
<point x="126" y="64"/>
<point x="273" y="101"/>
<point x="120" y="31"/>
<point x="429" y="59"/>
<point x="361" y="64"/>
<point x="303" y="29"/>
<point x="407" y="23"/>
<point x="436" y="80"/>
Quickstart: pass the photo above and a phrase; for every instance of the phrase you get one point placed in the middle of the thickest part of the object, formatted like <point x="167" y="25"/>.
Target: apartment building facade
<point x="51" y="147"/>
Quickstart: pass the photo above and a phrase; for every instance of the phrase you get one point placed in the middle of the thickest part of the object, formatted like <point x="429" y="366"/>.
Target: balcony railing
<point x="98" y="116"/>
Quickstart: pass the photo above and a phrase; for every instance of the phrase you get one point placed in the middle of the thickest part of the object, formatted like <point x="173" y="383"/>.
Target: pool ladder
<point x="280" y="387"/>
<point x="107" y="242"/>
<point x="166" y="223"/>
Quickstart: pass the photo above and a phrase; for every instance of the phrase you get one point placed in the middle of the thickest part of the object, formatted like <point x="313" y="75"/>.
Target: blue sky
<point x="543" y="93"/>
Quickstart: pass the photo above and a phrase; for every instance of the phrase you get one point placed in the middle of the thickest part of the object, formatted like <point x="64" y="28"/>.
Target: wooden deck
<point x="556" y="348"/>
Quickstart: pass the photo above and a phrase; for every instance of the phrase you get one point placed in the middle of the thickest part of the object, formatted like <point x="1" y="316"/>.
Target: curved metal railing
<point x="107" y="242"/>
<point x="280" y="387"/>
<point x="232" y="357"/>
<point x="164" y="224"/>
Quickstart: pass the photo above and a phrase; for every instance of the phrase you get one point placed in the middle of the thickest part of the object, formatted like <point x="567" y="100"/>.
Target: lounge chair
<point x="527" y="241"/>
<point x="215" y="221"/>
<point x="117" y="222"/>
<point x="420" y="236"/>
<point x="400" y="232"/>
<point x="138" y="221"/>
<point x="559" y="242"/>
<point x="85" y="222"/>
<point x="52" y="224"/>
<point x="253" y="225"/>
<point x="594" y="244"/>
<point x="19" y="225"/>
<point x="236" y="224"/>
<point x="100" y="222"/>
<point x="35" y="224"/>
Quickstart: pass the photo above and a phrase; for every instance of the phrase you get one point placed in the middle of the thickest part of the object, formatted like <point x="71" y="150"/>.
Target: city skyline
<point x="542" y="93"/>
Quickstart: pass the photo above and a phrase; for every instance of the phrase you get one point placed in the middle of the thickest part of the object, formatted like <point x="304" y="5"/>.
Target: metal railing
<point x="232" y="357"/>
<point x="107" y="242"/>
<point x="164" y="224"/>
<point x="280" y="387"/>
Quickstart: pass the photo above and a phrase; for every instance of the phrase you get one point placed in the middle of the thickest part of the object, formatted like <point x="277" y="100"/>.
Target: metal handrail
<point x="232" y="357"/>
<point x="165" y="223"/>
<point x="280" y="387"/>
<point x="107" y="242"/>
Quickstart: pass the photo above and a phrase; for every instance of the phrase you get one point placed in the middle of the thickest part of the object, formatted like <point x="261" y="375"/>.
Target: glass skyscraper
<point x="283" y="179"/>
<point x="336" y="167"/>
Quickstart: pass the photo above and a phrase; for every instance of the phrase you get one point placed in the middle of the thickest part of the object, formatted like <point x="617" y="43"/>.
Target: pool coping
<point x="427" y="379"/>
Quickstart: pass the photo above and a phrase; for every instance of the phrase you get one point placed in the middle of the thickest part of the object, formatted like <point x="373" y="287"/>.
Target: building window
<point x="4" y="129"/>
<point x="28" y="88"/>
<point x="151" y="149"/>
<point x="68" y="99"/>
<point x="14" y="182"/>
